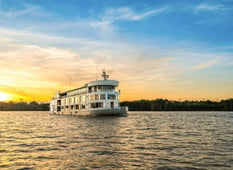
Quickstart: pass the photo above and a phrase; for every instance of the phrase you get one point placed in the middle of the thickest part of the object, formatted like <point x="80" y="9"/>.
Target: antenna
<point x="104" y="75"/>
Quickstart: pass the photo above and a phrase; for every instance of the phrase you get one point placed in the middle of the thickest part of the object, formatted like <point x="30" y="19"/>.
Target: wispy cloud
<point x="209" y="7"/>
<point x="128" y="14"/>
<point x="207" y="64"/>
<point x="104" y="25"/>
<point x="26" y="10"/>
<point x="124" y="14"/>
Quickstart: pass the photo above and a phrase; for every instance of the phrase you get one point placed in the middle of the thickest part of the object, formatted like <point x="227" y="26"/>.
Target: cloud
<point x="128" y="14"/>
<point x="36" y="18"/>
<point x="124" y="14"/>
<point x="48" y="67"/>
<point x="34" y="67"/>
<point x="207" y="64"/>
<point x="26" y="10"/>
<point x="209" y="7"/>
<point x="31" y="68"/>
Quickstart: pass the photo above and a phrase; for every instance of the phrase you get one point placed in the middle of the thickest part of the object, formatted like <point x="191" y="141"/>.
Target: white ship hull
<point x="121" y="111"/>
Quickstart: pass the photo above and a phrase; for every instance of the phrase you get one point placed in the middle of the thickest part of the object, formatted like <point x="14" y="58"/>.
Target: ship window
<point x="108" y="87"/>
<point x="59" y="102"/>
<point x="102" y="96"/>
<point x="111" y="96"/>
<point x="97" y="105"/>
<point x="96" y="97"/>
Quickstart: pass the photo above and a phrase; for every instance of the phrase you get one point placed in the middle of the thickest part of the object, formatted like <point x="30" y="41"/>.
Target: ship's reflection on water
<point x="163" y="140"/>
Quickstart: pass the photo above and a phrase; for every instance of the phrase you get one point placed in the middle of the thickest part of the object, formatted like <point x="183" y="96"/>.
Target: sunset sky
<point x="169" y="49"/>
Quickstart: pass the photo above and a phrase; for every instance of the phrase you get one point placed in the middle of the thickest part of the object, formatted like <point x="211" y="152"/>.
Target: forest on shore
<point x="23" y="106"/>
<point x="139" y="105"/>
<point x="169" y="105"/>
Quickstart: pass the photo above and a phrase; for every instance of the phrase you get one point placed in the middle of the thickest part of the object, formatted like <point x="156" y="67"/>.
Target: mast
<point x="104" y="75"/>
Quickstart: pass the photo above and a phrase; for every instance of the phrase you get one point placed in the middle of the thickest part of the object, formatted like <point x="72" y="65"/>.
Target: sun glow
<point x="4" y="96"/>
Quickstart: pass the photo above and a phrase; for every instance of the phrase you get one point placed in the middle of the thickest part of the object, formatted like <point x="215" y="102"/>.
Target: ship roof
<point x="103" y="82"/>
<point x="93" y="83"/>
<point x="65" y="92"/>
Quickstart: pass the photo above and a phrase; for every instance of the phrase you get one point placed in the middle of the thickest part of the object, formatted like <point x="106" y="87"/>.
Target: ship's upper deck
<point x="103" y="82"/>
<point x="92" y="86"/>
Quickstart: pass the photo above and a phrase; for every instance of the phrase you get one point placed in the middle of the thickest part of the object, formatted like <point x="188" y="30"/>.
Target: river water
<point x="143" y="140"/>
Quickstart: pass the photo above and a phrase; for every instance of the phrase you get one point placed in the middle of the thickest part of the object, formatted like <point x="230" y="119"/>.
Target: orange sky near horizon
<point x="130" y="91"/>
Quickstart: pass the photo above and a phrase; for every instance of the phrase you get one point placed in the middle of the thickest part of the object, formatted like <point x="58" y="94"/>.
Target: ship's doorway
<point x="112" y="105"/>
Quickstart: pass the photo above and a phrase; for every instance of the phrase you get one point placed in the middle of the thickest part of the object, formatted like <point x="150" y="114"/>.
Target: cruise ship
<point x="96" y="98"/>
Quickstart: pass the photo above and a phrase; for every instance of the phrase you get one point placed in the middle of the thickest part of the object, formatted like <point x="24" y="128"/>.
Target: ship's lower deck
<point x="120" y="111"/>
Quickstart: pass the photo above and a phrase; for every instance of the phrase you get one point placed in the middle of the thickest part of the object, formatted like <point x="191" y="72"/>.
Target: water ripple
<point x="143" y="140"/>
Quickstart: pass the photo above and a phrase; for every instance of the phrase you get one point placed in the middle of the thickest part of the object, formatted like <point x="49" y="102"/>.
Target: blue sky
<point x="157" y="49"/>
<point x="198" y="21"/>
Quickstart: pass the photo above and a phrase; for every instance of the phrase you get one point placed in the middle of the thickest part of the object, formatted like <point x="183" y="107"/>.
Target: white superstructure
<point x="98" y="97"/>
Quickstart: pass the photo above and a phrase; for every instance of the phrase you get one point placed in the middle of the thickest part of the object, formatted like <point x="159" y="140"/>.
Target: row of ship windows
<point x="92" y="89"/>
<point x="73" y="100"/>
<point x="82" y="106"/>
<point x="102" y="97"/>
<point x="100" y="105"/>
<point x="100" y="87"/>
<point x="92" y="98"/>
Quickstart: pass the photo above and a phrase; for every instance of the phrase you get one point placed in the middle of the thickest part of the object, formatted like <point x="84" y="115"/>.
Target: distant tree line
<point x="23" y="106"/>
<point x="168" y="105"/>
